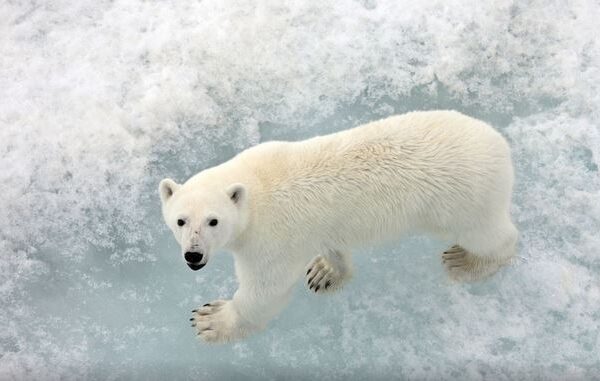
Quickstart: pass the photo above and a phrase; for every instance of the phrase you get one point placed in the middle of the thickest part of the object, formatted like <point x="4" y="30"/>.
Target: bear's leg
<point x="326" y="273"/>
<point x="481" y="253"/>
<point x="247" y="312"/>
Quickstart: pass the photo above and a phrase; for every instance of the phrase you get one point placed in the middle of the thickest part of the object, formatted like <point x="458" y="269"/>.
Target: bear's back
<point x="396" y="169"/>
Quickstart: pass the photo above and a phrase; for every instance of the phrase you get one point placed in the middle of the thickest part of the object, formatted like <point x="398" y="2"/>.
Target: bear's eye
<point x="180" y="222"/>
<point x="213" y="222"/>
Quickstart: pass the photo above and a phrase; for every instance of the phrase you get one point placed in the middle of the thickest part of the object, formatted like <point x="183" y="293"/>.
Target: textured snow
<point x="99" y="100"/>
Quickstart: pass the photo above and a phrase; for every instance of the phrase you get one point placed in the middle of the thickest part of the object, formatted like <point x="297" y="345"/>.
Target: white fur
<point x="439" y="172"/>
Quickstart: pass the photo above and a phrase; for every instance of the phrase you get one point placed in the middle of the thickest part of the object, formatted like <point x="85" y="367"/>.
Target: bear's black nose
<point x="192" y="257"/>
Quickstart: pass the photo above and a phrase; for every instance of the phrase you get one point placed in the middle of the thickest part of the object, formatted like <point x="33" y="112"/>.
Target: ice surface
<point x="99" y="100"/>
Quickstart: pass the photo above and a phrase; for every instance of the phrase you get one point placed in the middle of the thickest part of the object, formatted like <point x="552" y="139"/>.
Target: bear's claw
<point x="323" y="276"/>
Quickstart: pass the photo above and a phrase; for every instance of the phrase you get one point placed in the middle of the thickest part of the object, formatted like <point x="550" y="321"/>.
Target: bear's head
<point x="203" y="219"/>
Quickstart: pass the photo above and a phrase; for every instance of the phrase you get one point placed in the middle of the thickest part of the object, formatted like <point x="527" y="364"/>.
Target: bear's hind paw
<point x="464" y="266"/>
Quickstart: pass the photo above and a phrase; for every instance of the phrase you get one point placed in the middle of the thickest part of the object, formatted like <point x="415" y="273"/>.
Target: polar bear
<point x="292" y="209"/>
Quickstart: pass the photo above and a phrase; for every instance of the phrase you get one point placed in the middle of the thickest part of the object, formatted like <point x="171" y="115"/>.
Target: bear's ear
<point x="237" y="193"/>
<point x="166" y="188"/>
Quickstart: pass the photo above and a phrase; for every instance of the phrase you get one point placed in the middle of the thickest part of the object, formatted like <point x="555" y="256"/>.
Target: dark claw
<point x="206" y="305"/>
<point x="194" y="310"/>
<point x="193" y="325"/>
<point x="309" y="270"/>
<point x="310" y="280"/>
<point x="191" y="319"/>
<point x="327" y="284"/>
<point x="311" y="286"/>
<point x="317" y="289"/>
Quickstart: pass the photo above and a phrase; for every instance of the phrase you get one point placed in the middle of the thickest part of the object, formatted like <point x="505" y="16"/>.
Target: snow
<point x="99" y="100"/>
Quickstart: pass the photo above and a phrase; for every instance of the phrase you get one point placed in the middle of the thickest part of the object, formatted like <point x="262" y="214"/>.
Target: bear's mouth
<point x="196" y="266"/>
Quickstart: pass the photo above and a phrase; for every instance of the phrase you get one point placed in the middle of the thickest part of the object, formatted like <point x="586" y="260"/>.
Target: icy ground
<point x="99" y="100"/>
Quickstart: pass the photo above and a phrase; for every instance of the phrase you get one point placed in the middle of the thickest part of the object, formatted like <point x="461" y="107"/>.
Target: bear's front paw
<point x="217" y="322"/>
<point x="322" y="276"/>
